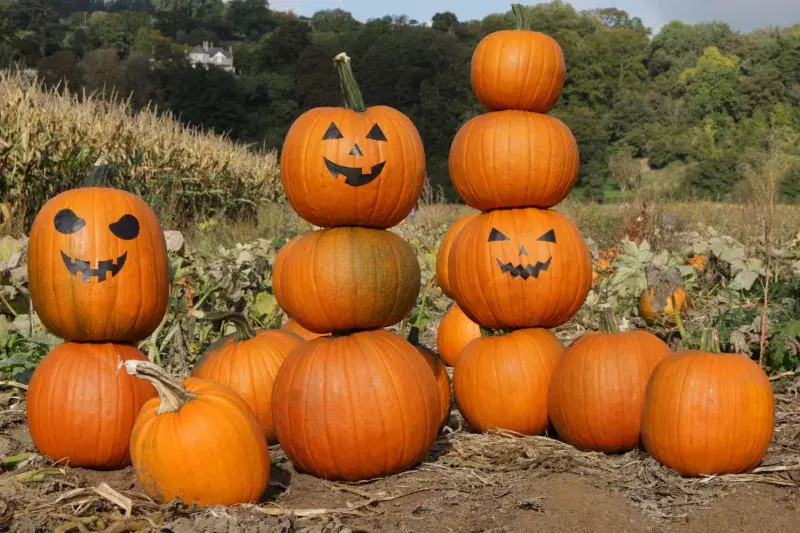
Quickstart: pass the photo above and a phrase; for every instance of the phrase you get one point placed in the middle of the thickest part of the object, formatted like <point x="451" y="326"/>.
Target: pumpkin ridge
<point x="327" y="376"/>
<point x="309" y="451"/>
<point x="679" y="455"/>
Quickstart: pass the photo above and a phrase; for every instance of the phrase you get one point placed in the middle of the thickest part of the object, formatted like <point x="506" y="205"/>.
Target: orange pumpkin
<point x="349" y="278"/>
<point x="199" y="441"/>
<point x="708" y="413"/>
<point x="356" y="407"/>
<point x="655" y="311"/>
<point x="439" y="372"/>
<point x="81" y="408"/>
<point x="520" y="268"/>
<point x="596" y="393"/>
<point x="500" y="382"/>
<point x="353" y="166"/>
<point x="456" y="330"/>
<point x="513" y="159"/>
<point x="97" y="266"/>
<point x="248" y="362"/>
<point x="443" y="253"/>
<point x="518" y="69"/>
<point x="293" y="326"/>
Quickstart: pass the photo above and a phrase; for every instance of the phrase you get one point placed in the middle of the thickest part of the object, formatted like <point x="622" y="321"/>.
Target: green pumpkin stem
<point x="522" y="19"/>
<point x="418" y="321"/>
<point x="676" y="311"/>
<point x="353" y="99"/>
<point x="413" y="336"/>
<point x="171" y="393"/>
<point x="243" y="329"/>
<point x="608" y="322"/>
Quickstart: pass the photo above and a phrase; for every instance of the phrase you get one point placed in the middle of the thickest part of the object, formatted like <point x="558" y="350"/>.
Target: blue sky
<point x="741" y="14"/>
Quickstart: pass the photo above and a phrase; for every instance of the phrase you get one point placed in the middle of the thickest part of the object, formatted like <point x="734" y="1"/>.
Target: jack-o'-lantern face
<point x="354" y="176"/>
<point x="519" y="268"/>
<point x="98" y="266"/>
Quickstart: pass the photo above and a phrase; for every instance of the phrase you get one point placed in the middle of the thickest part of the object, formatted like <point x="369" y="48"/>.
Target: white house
<point x="207" y="55"/>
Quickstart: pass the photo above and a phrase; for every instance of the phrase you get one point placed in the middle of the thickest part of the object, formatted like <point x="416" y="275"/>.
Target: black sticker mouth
<point x="524" y="272"/>
<point x="355" y="177"/>
<point x="86" y="273"/>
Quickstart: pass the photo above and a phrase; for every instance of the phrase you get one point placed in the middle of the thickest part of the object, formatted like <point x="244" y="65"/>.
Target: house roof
<point x="211" y="51"/>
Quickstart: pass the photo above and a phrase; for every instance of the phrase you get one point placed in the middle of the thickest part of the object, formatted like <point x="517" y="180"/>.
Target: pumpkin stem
<point x="522" y="19"/>
<point x="676" y="311"/>
<point x="171" y="393"/>
<point x="353" y="99"/>
<point x="413" y="336"/>
<point x="608" y="322"/>
<point x="243" y="329"/>
<point x="713" y="342"/>
<point x="418" y="321"/>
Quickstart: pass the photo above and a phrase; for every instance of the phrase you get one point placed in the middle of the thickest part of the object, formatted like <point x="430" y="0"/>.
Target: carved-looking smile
<point x="85" y="272"/>
<point x="524" y="272"/>
<point x="355" y="177"/>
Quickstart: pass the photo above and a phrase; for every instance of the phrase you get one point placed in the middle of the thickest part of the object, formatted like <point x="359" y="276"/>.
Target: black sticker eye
<point x="550" y="236"/>
<point x="497" y="236"/>
<point x="376" y="134"/>
<point x="126" y="228"/>
<point x="332" y="133"/>
<point x="66" y="222"/>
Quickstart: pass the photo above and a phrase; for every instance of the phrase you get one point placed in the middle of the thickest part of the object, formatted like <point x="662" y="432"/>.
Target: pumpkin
<point x="198" y="441"/>
<point x="293" y="326"/>
<point x="456" y="330"/>
<point x="97" y="266"/>
<point x="347" y="278"/>
<point x="513" y="159"/>
<point x="439" y="372"/>
<point x="520" y="268"/>
<point x="353" y="165"/>
<point x="708" y="413"/>
<point x="518" y="69"/>
<point x="655" y="310"/>
<point x="443" y="253"/>
<point x="500" y="381"/>
<point x="356" y="407"/>
<point x="248" y="362"/>
<point x="81" y="408"/>
<point x="596" y="392"/>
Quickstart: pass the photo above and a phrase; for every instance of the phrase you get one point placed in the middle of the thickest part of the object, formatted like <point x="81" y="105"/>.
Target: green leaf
<point x="265" y="305"/>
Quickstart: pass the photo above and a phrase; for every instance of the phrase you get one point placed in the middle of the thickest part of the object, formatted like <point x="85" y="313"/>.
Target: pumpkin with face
<point x="97" y="265"/>
<point x="520" y="268"/>
<point x="353" y="166"/>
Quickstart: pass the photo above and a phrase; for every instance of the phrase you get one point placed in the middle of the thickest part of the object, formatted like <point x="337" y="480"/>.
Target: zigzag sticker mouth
<point x="86" y="273"/>
<point x="355" y="177"/>
<point x="524" y="272"/>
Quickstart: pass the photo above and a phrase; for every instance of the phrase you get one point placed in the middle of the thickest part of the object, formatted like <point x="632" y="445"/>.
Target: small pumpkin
<point x="655" y="310"/>
<point x="518" y="69"/>
<point x="456" y="330"/>
<point x="293" y="326"/>
<point x="198" y="441"/>
<point x="443" y="253"/>
<point x="353" y="165"/>
<point x="520" y="268"/>
<point x="248" y="362"/>
<point x="347" y="278"/>
<point x="500" y="381"/>
<point x="596" y="392"/>
<point x="97" y="266"/>
<point x="707" y="413"/>
<point x="439" y="372"/>
<point x="81" y="408"/>
<point x="513" y="159"/>
<point x="356" y="407"/>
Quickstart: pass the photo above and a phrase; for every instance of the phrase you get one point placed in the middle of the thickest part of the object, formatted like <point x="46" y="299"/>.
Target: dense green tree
<point x="250" y="19"/>
<point x="334" y="20"/>
<point x="60" y="70"/>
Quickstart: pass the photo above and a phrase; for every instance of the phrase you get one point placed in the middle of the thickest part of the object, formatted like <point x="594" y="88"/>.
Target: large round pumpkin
<point x="456" y="330"/>
<point x="199" y="441"/>
<point x="347" y="278"/>
<point x="356" y="407"/>
<point x="81" y="408"/>
<point x="518" y="69"/>
<point x="353" y="166"/>
<point x="97" y="265"/>
<point x="708" y="413"/>
<point x="520" y="268"/>
<point x="439" y="372"/>
<point x="500" y="382"/>
<point x="596" y="393"/>
<point x="248" y="362"/>
<point x="443" y="254"/>
<point x="293" y="326"/>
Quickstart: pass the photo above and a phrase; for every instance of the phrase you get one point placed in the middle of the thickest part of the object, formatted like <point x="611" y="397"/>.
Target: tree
<point x="713" y="84"/>
<point x="250" y="19"/>
<point x="60" y="70"/>
<point x="102" y="72"/>
<point x="283" y="47"/>
<point x="334" y="20"/>
<point x="444" y="22"/>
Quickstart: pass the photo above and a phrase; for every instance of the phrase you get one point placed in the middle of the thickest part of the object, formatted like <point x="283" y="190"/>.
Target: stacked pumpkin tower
<point x="363" y="402"/>
<point x="519" y="267"/>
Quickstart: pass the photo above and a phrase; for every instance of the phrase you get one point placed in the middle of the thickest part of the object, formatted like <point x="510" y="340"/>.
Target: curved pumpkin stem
<point x="608" y="322"/>
<point x="353" y="99"/>
<point x="522" y="19"/>
<point x="171" y="393"/>
<point x="413" y="336"/>
<point x="676" y="311"/>
<point x="243" y="329"/>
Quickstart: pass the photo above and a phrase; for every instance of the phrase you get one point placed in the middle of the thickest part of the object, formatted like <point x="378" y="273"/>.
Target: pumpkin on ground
<point x="353" y="165"/>
<point x="518" y="69"/>
<point x="81" y="408"/>
<point x="248" y="362"/>
<point x="443" y="254"/>
<point x="439" y="372"/>
<point x="707" y="413"/>
<point x="500" y="381"/>
<point x="513" y="159"/>
<point x="341" y="279"/>
<point x="356" y="407"/>
<point x="293" y="326"/>
<point x="596" y="392"/>
<point x="198" y="441"/>
<point x="520" y="268"/>
<point x="660" y="310"/>
<point x="97" y="265"/>
<point x="456" y="330"/>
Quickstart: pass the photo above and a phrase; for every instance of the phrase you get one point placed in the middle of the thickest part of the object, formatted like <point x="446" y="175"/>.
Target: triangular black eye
<point x="376" y="134"/>
<point x="332" y="133"/>
<point x="497" y="236"/>
<point x="66" y="222"/>
<point x="550" y="236"/>
<point x="126" y="228"/>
